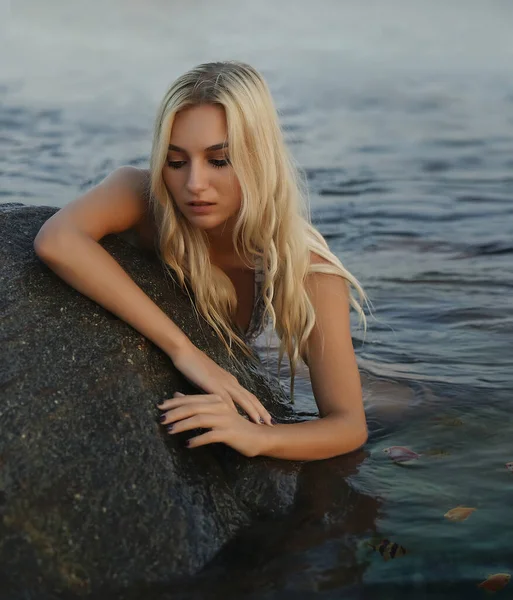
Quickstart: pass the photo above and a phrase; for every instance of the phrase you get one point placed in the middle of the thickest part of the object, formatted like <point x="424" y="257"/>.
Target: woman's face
<point x="198" y="174"/>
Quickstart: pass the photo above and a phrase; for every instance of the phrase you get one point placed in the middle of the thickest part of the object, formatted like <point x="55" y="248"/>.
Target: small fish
<point x="509" y="466"/>
<point x="400" y="454"/>
<point x="388" y="549"/>
<point x="494" y="583"/>
<point x="460" y="513"/>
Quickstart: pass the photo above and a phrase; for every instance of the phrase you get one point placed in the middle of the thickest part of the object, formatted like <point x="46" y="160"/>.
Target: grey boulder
<point x="96" y="500"/>
<point x="92" y="488"/>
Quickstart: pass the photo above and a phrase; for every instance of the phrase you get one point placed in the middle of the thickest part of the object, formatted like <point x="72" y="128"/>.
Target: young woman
<point x="223" y="207"/>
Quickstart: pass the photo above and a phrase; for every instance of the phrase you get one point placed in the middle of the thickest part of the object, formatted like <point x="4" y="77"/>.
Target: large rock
<point x="92" y="488"/>
<point x="96" y="500"/>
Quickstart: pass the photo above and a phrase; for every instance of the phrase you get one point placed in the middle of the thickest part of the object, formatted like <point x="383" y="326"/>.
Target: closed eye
<point x="216" y="163"/>
<point x="219" y="163"/>
<point x="176" y="164"/>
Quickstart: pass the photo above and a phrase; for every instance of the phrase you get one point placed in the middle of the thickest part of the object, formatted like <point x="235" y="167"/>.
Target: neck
<point x="221" y="243"/>
<point x="221" y="246"/>
<point x="224" y="256"/>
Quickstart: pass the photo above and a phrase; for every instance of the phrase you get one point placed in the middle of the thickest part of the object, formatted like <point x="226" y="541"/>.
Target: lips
<point x="200" y="208"/>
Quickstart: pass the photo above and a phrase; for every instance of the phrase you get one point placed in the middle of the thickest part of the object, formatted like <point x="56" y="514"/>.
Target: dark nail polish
<point x="170" y="427"/>
<point x="162" y="418"/>
<point x="274" y="422"/>
<point x="262" y="420"/>
<point x="188" y="443"/>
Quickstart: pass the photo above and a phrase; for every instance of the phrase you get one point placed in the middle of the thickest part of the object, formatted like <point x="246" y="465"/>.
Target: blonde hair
<point x="273" y="220"/>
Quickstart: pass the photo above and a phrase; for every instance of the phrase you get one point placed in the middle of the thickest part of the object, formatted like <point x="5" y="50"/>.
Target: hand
<point x="213" y="379"/>
<point x="209" y="411"/>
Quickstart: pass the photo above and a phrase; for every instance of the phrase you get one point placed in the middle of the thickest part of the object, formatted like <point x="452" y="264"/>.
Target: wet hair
<point x="273" y="221"/>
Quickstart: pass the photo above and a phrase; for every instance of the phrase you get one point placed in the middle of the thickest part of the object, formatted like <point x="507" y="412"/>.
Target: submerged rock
<point x="93" y="493"/>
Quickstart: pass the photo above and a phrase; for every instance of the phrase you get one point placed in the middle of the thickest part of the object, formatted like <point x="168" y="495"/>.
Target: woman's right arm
<point x="68" y="244"/>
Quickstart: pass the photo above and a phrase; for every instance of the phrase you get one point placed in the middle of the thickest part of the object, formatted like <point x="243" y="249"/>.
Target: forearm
<point x="313" y="440"/>
<point x="85" y="265"/>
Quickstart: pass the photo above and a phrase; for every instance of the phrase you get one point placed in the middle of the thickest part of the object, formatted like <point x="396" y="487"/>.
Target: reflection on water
<point x="402" y="121"/>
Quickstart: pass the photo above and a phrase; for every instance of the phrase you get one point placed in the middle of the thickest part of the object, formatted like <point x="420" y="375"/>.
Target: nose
<point x="197" y="180"/>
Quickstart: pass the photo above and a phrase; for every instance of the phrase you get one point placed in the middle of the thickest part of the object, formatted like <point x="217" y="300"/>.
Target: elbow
<point x="49" y="243"/>
<point x="363" y="438"/>
<point x="357" y="432"/>
<point x="44" y="241"/>
<point x="46" y="252"/>
<point x="358" y="442"/>
<point x="362" y="432"/>
<point x="41" y="246"/>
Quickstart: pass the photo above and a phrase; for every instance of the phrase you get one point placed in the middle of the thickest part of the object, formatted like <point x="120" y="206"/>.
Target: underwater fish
<point x="509" y="466"/>
<point x="388" y="549"/>
<point x="401" y="454"/>
<point x="460" y="513"/>
<point x="494" y="583"/>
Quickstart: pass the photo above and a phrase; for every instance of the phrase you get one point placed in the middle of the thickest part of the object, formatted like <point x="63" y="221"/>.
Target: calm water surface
<point x="402" y="120"/>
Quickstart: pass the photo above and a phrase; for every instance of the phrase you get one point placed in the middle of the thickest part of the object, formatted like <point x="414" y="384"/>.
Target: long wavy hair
<point x="273" y="222"/>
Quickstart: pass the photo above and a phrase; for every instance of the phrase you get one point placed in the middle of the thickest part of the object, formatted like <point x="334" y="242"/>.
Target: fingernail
<point x="188" y="443"/>
<point x="179" y="394"/>
<point x="262" y="421"/>
<point x="162" y="418"/>
<point x="170" y="427"/>
<point x="274" y="422"/>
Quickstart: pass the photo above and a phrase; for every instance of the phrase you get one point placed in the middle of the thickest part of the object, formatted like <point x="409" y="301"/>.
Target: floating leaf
<point x="494" y="583"/>
<point x="460" y="513"/>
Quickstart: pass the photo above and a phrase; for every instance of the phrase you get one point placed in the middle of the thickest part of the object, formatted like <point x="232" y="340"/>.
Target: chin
<point x="206" y="223"/>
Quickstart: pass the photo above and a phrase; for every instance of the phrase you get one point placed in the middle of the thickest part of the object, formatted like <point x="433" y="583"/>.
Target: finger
<point x="178" y="394"/>
<point x="210" y="437"/>
<point x="206" y="421"/>
<point x="243" y="401"/>
<point x="189" y="410"/>
<point x="172" y="403"/>
<point x="265" y="417"/>
<point x="179" y="401"/>
<point x="227" y="399"/>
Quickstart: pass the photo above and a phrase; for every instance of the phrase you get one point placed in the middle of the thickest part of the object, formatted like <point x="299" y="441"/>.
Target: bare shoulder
<point x="130" y="182"/>
<point x="118" y="203"/>
<point x="321" y="273"/>
<point x="138" y="180"/>
<point x="143" y="232"/>
<point x="125" y="198"/>
<point x="327" y="291"/>
<point x="315" y="259"/>
<point x="329" y="295"/>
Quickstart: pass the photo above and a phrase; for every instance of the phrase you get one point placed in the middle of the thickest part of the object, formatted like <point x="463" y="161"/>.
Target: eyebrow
<point x="221" y="146"/>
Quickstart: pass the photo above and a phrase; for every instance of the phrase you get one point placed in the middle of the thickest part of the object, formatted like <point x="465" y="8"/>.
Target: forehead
<point x="198" y="127"/>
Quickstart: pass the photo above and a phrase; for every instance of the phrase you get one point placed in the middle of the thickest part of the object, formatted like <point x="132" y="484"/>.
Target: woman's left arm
<point x="335" y="381"/>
